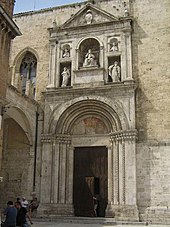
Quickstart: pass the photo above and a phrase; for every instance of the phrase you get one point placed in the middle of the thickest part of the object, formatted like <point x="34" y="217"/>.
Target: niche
<point x="89" y="51"/>
<point x="65" y="74"/>
<point x="114" y="69"/>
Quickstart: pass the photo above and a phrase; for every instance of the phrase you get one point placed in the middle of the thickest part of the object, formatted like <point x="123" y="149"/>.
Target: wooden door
<point x="90" y="179"/>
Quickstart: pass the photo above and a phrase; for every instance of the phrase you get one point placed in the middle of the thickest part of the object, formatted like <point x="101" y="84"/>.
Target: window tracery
<point x="28" y="70"/>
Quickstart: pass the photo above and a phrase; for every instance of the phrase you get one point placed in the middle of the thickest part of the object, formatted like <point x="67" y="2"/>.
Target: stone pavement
<point x="89" y="222"/>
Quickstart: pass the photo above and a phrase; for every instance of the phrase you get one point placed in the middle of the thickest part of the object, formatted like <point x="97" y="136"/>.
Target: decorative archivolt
<point x="64" y="118"/>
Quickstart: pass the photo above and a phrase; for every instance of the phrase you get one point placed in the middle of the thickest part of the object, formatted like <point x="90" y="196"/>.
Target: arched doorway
<point x="78" y="130"/>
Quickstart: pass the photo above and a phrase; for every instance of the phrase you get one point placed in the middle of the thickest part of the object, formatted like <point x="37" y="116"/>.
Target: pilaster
<point x="123" y="204"/>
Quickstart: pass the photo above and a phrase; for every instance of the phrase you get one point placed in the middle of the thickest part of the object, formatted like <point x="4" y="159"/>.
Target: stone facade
<point x="101" y="73"/>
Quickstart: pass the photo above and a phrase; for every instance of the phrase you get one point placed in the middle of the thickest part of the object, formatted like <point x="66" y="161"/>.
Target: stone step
<point x="87" y="220"/>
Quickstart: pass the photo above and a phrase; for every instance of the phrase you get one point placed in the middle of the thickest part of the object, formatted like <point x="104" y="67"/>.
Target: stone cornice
<point x="9" y="22"/>
<point x="130" y="135"/>
<point x="115" y="88"/>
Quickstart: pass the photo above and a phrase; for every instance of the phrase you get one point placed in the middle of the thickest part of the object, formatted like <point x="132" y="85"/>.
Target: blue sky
<point x="29" y="5"/>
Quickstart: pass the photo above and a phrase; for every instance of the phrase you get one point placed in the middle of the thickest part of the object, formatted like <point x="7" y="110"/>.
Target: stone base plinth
<point x="54" y="210"/>
<point x="122" y="212"/>
<point x="88" y="76"/>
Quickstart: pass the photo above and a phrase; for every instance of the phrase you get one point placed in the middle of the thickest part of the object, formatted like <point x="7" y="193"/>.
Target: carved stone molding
<point x="47" y="138"/>
<point x="64" y="139"/>
<point x="122" y="136"/>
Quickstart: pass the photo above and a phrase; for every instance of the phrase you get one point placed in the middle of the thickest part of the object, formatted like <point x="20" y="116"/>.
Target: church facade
<point x="89" y="109"/>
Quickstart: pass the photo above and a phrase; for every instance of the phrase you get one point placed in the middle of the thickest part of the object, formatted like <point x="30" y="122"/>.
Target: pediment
<point x="89" y="15"/>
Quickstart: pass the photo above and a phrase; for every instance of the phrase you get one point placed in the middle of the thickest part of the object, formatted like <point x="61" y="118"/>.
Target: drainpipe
<point x="35" y="150"/>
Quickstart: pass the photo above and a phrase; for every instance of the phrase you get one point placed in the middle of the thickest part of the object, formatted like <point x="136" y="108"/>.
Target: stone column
<point x="46" y="170"/>
<point x="123" y="204"/>
<point x="52" y="66"/>
<point x="101" y="56"/>
<point x="60" y="178"/>
<point x="122" y="172"/>
<point x="65" y="193"/>
<point x="110" y="175"/>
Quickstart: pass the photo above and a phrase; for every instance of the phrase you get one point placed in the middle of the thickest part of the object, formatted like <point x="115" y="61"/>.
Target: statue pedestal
<point x="88" y="76"/>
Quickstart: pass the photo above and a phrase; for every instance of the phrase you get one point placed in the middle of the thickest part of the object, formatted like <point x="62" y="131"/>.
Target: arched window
<point x="28" y="71"/>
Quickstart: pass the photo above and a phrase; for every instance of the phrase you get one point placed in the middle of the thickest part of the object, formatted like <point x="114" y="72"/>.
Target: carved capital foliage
<point x="130" y="135"/>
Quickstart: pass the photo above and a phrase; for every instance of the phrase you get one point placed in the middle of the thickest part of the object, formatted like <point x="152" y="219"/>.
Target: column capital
<point x="47" y="138"/>
<point x="130" y="135"/>
<point x="64" y="139"/>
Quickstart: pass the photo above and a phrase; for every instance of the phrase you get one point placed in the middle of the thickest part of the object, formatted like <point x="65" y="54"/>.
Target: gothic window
<point x="28" y="71"/>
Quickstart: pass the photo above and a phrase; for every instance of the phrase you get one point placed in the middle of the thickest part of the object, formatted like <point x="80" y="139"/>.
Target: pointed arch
<point x="19" y="57"/>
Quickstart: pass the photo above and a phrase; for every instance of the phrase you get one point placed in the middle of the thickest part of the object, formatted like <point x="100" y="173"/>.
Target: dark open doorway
<point x="90" y="181"/>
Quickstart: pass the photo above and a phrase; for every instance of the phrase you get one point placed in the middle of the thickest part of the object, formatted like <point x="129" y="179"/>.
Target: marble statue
<point x="66" y="53"/>
<point x="89" y="17"/>
<point x="89" y="59"/>
<point x="66" y="76"/>
<point x="114" y="47"/>
<point x="114" y="72"/>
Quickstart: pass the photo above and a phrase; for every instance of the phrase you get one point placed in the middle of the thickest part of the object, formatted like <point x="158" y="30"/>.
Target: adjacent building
<point x="8" y="31"/>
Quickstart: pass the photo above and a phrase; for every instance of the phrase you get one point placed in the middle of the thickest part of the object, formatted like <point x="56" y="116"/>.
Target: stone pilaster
<point x="123" y="204"/>
<point x="60" y="177"/>
<point x="52" y="67"/>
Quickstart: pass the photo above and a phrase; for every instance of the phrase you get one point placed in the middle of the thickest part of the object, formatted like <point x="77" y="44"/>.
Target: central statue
<point x="89" y="59"/>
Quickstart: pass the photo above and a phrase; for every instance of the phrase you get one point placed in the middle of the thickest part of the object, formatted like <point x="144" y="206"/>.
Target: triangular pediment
<point x="89" y="15"/>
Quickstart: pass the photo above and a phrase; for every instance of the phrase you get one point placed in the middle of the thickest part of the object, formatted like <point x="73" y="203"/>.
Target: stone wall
<point x="151" y="54"/>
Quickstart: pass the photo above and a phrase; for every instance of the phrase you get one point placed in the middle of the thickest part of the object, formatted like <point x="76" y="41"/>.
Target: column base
<point x="122" y="212"/>
<point x="55" y="210"/>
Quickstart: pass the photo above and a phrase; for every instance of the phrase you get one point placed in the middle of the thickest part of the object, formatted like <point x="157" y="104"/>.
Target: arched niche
<point x="89" y="45"/>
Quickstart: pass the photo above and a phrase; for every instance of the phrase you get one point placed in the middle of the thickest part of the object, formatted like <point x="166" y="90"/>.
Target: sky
<point x="30" y="5"/>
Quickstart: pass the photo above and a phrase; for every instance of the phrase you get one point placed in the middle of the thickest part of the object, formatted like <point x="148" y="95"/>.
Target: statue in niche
<point x="66" y="53"/>
<point x="89" y="59"/>
<point x="114" y="45"/>
<point x="65" y="76"/>
<point x="114" y="72"/>
<point x="89" y="17"/>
